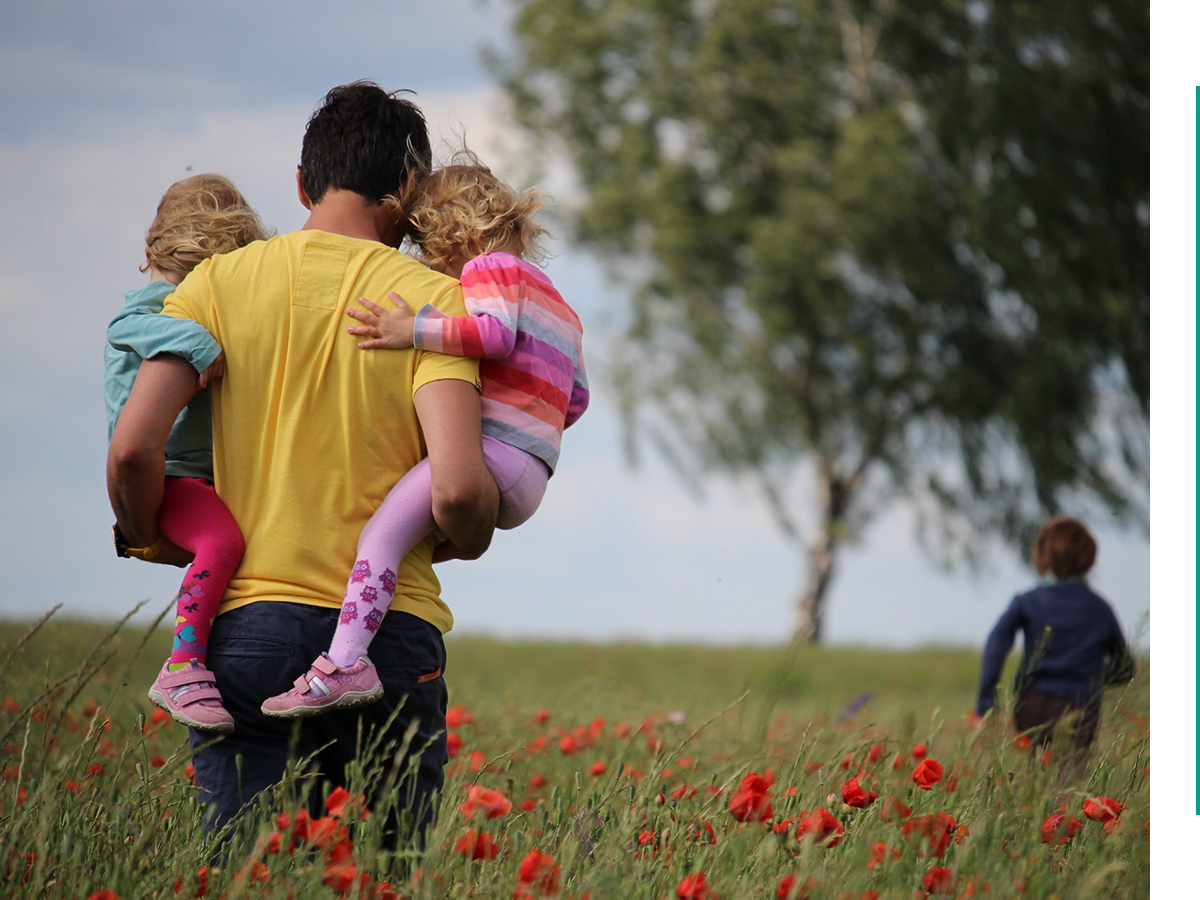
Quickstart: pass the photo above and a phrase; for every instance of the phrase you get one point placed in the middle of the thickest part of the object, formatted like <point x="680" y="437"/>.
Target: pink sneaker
<point x="325" y="687"/>
<point x="191" y="697"/>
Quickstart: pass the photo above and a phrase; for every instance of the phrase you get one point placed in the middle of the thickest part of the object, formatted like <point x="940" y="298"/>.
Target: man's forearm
<point x="136" y="461"/>
<point x="465" y="499"/>
<point x="135" y="489"/>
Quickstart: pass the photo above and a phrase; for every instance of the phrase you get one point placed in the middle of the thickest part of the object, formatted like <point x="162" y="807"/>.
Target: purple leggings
<point x="405" y="518"/>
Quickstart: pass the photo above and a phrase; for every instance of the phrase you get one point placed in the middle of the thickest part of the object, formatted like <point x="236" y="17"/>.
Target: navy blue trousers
<point x="258" y="650"/>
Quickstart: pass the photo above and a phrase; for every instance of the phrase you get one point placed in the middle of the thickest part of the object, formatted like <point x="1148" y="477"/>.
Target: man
<point x="309" y="435"/>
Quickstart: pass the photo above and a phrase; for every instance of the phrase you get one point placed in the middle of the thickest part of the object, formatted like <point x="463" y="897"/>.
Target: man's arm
<point x="136" y="461"/>
<point x="465" y="499"/>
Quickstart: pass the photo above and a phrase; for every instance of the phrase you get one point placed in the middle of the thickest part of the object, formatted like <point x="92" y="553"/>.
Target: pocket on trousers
<point x="251" y="648"/>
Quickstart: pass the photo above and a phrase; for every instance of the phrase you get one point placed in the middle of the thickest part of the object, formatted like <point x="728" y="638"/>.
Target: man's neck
<point x="352" y="215"/>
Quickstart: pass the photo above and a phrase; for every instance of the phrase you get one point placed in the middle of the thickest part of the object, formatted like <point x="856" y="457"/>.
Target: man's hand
<point x="445" y="551"/>
<point x="389" y="329"/>
<point x="215" y="370"/>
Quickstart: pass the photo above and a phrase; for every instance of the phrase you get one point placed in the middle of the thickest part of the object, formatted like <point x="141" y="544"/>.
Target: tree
<point x="900" y="247"/>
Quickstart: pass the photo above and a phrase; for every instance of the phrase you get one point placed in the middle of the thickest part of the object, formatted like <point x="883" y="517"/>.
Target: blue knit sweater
<point x="1073" y="646"/>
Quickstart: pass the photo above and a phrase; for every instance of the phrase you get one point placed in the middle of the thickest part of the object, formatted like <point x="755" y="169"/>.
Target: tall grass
<point x="620" y="763"/>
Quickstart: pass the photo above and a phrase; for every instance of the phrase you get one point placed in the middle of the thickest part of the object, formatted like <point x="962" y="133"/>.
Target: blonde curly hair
<point x="199" y="217"/>
<point x="462" y="210"/>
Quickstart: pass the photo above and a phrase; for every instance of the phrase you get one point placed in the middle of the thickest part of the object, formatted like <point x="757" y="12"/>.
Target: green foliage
<point x="617" y="761"/>
<point x="905" y="243"/>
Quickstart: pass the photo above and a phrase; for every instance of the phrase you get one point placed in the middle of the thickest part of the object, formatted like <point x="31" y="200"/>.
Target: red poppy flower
<point x="340" y="800"/>
<point x="1059" y="828"/>
<point x="1102" y="809"/>
<point x="879" y="854"/>
<point x="919" y="751"/>
<point x="1022" y="742"/>
<point x="894" y="809"/>
<point x="104" y="895"/>
<point x="341" y="873"/>
<point x="568" y="745"/>
<point x="453" y="744"/>
<point x="492" y="804"/>
<point x="792" y="888"/>
<point x="934" y="831"/>
<point x="819" y="826"/>
<point x="537" y="780"/>
<point x="476" y="845"/>
<point x="751" y="802"/>
<point x="539" y="872"/>
<point x="599" y="767"/>
<point x="543" y="716"/>
<point x="456" y="717"/>
<point x="854" y="794"/>
<point x="939" y="880"/>
<point x="875" y="753"/>
<point x="326" y="832"/>
<point x="927" y="774"/>
<point x="701" y="831"/>
<point x="693" y="887"/>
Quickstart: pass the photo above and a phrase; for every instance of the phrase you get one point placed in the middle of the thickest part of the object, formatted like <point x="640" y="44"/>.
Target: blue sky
<point x="106" y="104"/>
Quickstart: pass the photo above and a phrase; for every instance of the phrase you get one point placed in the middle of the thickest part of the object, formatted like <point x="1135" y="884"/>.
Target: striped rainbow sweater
<point x="530" y="346"/>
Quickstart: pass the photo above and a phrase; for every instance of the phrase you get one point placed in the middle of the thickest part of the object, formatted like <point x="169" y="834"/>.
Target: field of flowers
<point x="588" y="771"/>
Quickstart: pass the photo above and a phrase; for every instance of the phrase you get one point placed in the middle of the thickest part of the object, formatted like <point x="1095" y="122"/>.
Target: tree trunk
<point x="810" y="605"/>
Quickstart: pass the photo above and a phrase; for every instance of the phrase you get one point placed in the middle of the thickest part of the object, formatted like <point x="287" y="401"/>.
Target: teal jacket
<point x="138" y="333"/>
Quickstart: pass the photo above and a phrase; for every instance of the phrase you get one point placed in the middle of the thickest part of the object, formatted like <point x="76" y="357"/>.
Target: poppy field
<point x="586" y="771"/>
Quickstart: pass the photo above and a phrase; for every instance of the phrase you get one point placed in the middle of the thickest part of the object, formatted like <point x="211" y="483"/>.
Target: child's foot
<point x="190" y="695"/>
<point x="326" y="686"/>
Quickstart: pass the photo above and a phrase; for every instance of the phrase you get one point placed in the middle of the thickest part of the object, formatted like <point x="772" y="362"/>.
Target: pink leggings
<point x="193" y="516"/>
<point x="406" y="517"/>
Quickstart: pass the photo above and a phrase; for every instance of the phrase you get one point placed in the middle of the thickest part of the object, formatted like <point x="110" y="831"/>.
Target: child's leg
<point x="193" y="516"/>
<point x="403" y="519"/>
<point x="520" y="477"/>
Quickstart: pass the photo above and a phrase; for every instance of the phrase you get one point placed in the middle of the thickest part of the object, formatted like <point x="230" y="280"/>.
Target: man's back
<point x="310" y="433"/>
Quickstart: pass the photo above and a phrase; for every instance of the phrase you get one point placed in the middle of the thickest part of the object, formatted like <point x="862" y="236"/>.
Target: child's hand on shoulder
<point x="390" y="329"/>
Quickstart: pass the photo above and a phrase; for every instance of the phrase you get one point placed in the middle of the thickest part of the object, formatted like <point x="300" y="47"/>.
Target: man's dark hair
<point x="363" y="139"/>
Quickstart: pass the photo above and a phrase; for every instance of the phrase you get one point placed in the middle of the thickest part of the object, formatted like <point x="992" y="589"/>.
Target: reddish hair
<point x="1064" y="548"/>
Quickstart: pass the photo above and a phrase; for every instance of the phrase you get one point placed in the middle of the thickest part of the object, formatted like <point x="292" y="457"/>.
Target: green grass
<point x="94" y="793"/>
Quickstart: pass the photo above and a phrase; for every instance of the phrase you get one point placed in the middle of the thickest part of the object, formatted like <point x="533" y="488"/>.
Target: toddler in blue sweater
<point x="1073" y="645"/>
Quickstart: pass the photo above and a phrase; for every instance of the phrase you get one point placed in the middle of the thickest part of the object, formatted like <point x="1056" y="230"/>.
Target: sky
<point x="103" y="105"/>
<point x="106" y="106"/>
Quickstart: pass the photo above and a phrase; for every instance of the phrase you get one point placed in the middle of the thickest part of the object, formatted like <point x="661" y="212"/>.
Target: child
<point x="472" y="226"/>
<point x="197" y="218"/>
<point x="1073" y="646"/>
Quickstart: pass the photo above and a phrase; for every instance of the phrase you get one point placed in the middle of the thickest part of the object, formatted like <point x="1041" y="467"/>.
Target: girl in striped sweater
<point x="472" y="226"/>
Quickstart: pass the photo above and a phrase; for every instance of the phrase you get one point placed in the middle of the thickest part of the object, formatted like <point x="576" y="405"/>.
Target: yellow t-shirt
<point x="309" y="432"/>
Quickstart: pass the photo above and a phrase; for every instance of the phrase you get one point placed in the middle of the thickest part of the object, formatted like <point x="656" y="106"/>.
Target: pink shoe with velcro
<point x="326" y="686"/>
<point x="190" y="695"/>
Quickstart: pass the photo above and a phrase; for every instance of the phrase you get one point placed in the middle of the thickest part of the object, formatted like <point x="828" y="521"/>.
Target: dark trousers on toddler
<point x="1040" y="715"/>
